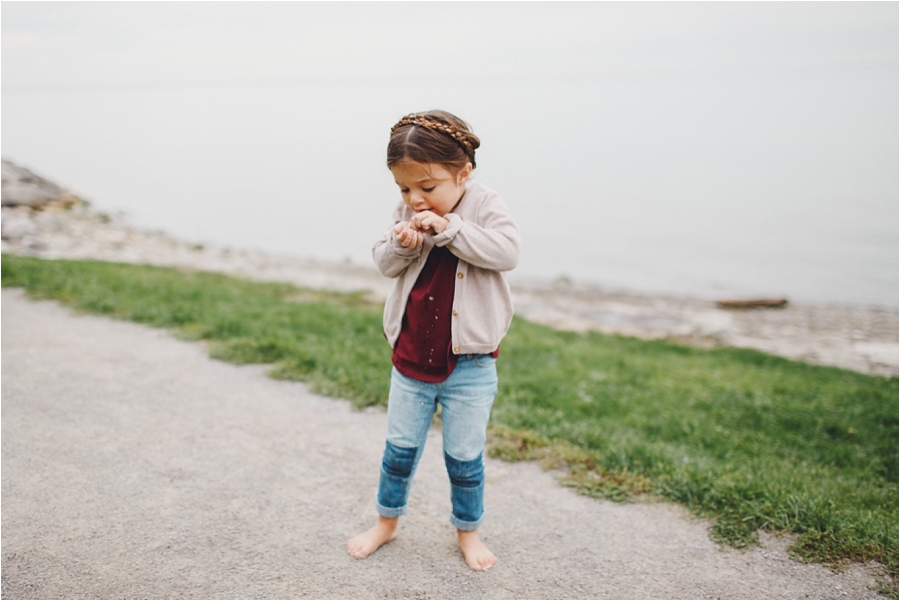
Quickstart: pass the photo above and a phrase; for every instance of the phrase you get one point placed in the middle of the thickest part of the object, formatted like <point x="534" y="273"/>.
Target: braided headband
<point x="451" y="131"/>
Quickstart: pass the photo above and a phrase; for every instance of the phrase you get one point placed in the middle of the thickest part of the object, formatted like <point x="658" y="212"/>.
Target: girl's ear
<point x="463" y="176"/>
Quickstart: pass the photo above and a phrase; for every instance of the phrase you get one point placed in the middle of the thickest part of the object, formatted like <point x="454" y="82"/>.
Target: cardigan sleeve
<point x="392" y="258"/>
<point x="490" y="241"/>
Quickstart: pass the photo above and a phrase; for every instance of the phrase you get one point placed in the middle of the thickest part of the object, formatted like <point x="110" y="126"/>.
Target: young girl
<point x="445" y="317"/>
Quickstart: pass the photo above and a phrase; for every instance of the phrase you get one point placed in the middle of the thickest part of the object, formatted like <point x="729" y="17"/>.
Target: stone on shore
<point x="21" y="187"/>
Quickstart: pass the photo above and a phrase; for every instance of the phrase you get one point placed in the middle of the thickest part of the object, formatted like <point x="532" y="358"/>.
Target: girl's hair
<point x="433" y="137"/>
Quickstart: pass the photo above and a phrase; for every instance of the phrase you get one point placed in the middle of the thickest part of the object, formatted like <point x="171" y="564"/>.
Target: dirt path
<point x="133" y="466"/>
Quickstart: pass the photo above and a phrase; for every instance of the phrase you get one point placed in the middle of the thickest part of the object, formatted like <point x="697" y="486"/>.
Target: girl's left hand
<point x="429" y="222"/>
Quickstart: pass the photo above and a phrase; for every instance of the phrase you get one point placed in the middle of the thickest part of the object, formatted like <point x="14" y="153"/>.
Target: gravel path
<point x="133" y="466"/>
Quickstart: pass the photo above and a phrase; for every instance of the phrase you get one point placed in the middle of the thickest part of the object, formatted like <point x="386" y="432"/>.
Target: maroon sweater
<point x="424" y="350"/>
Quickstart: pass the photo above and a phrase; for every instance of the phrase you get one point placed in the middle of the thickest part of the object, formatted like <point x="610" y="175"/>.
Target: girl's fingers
<point x="422" y="220"/>
<point x="409" y="238"/>
<point x="422" y="223"/>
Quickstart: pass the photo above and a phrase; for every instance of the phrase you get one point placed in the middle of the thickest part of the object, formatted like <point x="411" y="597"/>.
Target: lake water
<point x="708" y="186"/>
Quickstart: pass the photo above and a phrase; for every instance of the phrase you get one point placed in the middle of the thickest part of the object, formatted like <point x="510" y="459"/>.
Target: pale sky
<point x="89" y="44"/>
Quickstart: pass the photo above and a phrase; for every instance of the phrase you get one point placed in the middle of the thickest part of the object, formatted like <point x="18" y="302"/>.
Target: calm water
<point x="702" y="186"/>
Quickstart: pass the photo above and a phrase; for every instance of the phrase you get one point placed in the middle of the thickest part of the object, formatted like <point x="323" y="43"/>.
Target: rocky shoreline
<point x="860" y="338"/>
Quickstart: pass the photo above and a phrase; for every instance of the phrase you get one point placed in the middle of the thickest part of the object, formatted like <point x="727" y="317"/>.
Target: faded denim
<point x="466" y="398"/>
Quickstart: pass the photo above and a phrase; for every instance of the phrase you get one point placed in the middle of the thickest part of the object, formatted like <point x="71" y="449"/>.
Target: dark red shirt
<point x="424" y="350"/>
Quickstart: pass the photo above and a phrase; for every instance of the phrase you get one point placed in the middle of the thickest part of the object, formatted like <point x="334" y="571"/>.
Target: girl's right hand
<point x="407" y="236"/>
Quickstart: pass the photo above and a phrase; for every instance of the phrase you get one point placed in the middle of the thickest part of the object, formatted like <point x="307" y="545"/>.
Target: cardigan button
<point x="459" y="275"/>
<point x="456" y="350"/>
<point x="454" y="312"/>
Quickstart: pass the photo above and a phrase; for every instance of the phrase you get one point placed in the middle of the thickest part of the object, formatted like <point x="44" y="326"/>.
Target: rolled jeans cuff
<point x="464" y="525"/>
<point x="390" y="512"/>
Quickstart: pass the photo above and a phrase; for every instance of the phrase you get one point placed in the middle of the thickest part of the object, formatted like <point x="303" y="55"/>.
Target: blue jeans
<point x="466" y="398"/>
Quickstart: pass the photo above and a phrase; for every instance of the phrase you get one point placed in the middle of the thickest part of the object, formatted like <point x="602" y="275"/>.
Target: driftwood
<point x="759" y="303"/>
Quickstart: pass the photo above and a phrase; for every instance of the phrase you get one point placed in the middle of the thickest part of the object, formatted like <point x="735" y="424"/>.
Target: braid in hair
<point x="422" y="121"/>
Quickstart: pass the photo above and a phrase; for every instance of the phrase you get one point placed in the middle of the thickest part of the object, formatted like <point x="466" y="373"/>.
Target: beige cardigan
<point x="483" y="234"/>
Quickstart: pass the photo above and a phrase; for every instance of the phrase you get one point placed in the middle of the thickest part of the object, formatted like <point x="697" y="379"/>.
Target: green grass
<point x="749" y="440"/>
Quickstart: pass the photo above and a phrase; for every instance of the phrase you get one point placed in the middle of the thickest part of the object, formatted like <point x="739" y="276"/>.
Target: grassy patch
<point x="749" y="440"/>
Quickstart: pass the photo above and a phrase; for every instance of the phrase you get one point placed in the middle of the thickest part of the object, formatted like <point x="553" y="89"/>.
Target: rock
<point x="21" y="187"/>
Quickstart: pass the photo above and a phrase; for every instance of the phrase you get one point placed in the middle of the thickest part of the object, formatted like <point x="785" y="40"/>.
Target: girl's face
<point x="430" y="186"/>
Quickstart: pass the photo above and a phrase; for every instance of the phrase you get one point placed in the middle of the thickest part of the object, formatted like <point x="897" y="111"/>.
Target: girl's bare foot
<point x="478" y="557"/>
<point x="368" y="542"/>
